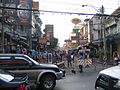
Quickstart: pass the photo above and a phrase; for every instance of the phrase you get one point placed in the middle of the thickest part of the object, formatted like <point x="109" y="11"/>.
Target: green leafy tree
<point x="103" y="53"/>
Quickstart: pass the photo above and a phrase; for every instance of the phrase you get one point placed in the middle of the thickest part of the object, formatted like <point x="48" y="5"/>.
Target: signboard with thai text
<point x="43" y="41"/>
<point x="76" y="20"/>
<point x="24" y="16"/>
<point x="35" y="7"/>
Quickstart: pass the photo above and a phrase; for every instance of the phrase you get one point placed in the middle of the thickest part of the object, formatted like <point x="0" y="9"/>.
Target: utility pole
<point x="103" y="29"/>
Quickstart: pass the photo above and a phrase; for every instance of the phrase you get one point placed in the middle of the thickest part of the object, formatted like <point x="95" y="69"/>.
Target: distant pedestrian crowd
<point x="51" y="56"/>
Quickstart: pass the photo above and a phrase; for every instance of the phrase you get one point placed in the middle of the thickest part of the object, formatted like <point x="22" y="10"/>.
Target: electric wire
<point x="71" y="13"/>
<point x="66" y="3"/>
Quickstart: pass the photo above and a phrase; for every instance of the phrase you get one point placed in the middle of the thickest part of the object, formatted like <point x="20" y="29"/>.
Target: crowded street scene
<point x="60" y="45"/>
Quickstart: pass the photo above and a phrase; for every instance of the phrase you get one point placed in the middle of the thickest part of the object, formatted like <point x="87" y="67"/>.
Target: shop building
<point x="112" y="33"/>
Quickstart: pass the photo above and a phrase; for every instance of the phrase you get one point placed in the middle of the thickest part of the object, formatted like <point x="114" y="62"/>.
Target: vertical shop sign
<point x="35" y="7"/>
<point x="42" y="40"/>
<point x="24" y="16"/>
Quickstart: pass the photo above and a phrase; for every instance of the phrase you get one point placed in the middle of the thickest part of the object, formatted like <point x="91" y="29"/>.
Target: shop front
<point x="113" y="44"/>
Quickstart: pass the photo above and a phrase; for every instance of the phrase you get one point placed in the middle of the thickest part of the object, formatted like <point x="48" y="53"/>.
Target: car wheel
<point x="47" y="82"/>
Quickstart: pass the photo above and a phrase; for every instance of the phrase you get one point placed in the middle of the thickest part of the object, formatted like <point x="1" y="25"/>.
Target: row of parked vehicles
<point x="18" y="71"/>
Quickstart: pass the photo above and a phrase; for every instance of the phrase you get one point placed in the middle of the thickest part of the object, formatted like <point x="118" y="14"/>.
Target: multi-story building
<point x="95" y="32"/>
<point x="36" y="26"/>
<point x="49" y="32"/>
<point x="101" y="32"/>
<point x="7" y="25"/>
<point x="112" y="33"/>
<point x="85" y="33"/>
<point x="17" y="26"/>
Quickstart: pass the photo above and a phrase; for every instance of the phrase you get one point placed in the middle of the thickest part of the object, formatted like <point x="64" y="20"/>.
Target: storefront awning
<point x="110" y="38"/>
<point x="96" y="42"/>
<point x="113" y="37"/>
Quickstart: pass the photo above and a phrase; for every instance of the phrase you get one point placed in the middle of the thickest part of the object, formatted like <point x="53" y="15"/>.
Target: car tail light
<point x="22" y="87"/>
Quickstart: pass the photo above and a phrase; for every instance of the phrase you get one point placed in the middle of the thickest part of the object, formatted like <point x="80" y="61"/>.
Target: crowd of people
<point x="51" y="56"/>
<point x="56" y="56"/>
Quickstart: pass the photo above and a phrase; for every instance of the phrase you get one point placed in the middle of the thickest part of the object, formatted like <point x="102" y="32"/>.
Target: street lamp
<point x="101" y="10"/>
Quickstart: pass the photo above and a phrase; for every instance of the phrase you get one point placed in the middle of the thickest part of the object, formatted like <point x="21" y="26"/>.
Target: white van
<point x="108" y="79"/>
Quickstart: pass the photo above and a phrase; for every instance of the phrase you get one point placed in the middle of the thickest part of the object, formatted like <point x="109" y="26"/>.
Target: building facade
<point x="17" y="26"/>
<point x="112" y="33"/>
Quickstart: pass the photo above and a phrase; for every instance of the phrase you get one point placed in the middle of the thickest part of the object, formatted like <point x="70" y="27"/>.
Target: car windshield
<point x="32" y="60"/>
<point x="6" y="76"/>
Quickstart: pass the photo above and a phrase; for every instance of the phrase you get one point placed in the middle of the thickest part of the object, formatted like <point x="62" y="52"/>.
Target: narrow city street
<point x="59" y="44"/>
<point x="79" y="81"/>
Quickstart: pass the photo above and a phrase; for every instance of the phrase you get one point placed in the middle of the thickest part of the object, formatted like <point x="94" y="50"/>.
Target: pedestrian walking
<point x="116" y="58"/>
<point x="68" y="57"/>
<point x="81" y="57"/>
<point x="72" y="56"/>
<point x="55" y="58"/>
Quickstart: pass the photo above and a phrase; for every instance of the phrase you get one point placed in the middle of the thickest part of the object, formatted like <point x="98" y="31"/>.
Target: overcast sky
<point x="62" y="22"/>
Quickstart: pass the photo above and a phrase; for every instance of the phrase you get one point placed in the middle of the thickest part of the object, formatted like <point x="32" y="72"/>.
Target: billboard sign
<point x="24" y="16"/>
<point x="43" y="41"/>
<point x="76" y="21"/>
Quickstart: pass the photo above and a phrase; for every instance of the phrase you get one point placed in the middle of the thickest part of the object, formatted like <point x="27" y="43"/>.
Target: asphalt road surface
<point x="79" y="81"/>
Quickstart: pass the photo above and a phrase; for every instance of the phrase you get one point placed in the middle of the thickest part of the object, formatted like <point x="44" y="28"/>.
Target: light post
<point x="100" y="10"/>
<point x="92" y="7"/>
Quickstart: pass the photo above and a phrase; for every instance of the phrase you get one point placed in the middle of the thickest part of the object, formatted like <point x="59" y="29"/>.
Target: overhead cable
<point x="71" y="13"/>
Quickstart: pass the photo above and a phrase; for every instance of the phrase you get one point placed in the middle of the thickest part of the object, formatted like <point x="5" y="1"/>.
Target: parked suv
<point x="13" y="81"/>
<point x="109" y="79"/>
<point x="44" y="75"/>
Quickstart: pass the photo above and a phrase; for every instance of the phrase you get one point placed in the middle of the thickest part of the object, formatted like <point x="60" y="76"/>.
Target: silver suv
<point x="108" y="79"/>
